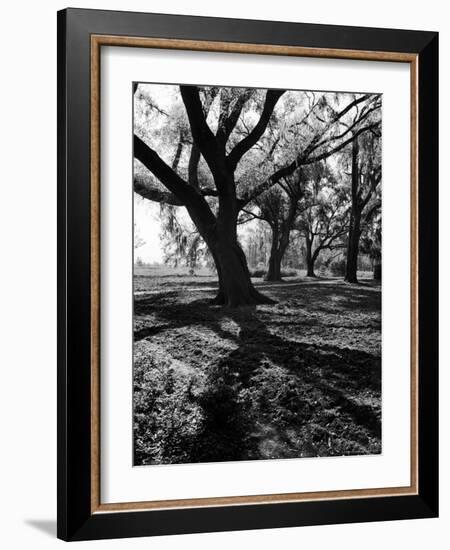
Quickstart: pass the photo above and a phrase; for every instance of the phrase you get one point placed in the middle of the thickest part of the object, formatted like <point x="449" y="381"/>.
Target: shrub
<point x="166" y="416"/>
<point x="337" y="268"/>
<point x="258" y="272"/>
<point x="288" y="272"/>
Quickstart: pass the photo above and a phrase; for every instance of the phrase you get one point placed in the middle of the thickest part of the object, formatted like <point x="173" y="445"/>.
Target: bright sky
<point x="148" y="227"/>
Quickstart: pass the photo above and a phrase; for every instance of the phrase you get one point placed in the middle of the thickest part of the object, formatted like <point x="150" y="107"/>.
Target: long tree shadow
<point x="272" y="396"/>
<point x="292" y="385"/>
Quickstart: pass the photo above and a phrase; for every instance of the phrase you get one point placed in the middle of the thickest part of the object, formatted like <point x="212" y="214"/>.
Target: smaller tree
<point x="365" y="180"/>
<point x="371" y="239"/>
<point x="323" y="219"/>
<point x="278" y="207"/>
<point x="255" y="241"/>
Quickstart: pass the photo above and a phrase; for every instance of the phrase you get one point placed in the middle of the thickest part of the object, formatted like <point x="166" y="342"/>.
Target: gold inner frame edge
<point x="97" y="41"/>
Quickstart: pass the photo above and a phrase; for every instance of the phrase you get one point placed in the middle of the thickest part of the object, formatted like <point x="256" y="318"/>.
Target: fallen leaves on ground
<point x="300" y="378"/>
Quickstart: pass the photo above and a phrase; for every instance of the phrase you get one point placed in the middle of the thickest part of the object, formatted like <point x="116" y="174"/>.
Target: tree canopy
<point x="309" y="161"/>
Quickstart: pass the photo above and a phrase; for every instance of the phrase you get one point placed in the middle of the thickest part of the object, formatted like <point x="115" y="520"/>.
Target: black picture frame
<point x="75" y="518"/>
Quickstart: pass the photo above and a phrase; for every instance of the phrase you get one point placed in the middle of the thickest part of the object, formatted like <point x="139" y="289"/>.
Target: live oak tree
<point x="365" y="181"/>
<point x="323" y="219"/>
<point x="218" y="229"/>
<point x="278" y="207"/>
<point x="216" y="179"/>
<point x="371" y="237"/>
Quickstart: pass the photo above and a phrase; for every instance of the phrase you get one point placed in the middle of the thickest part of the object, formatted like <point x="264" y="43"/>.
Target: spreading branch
<point x="301" y="160"/>
<point x="171" y="180"/>
<point x="203" y="137"/>
<point x="228" y="120"/>
<point x="272" y="97"/>
<point x="143" y="186"/>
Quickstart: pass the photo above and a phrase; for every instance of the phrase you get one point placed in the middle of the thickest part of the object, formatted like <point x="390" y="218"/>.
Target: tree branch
<point x="326" y="154"/>
<point x="227" y="122"/>
<point x="203" y="137"/>
<point x="153" y="162"/>
<point x="143" y="186"/>
<point x="348" y="130"/>
<point x="267" y="184"/>
<point x="194" y="159"/>
<point x="350" y="106"/>
<point x="272" y="97"/>
<point x="304" y="158"/>
<point x="188" y="195"/>
<point x="253" y="215"/>
<point x="374" y="181"/>
<point x="209" y="192"/>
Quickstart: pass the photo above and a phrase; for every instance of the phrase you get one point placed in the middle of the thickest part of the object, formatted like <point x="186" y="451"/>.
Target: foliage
<point x="371" y="239"/>
<point x="323" y="219"/>
<point x="255" y="239"/>
<point x="260" y="154"/>
<point x="164" y="415"/>
<point x="337" y="267"/>
<point x="138" y="241"/>
<point x="262" y="272"/>
<point x="180" y="241"/>
<point x="258" y="272"/>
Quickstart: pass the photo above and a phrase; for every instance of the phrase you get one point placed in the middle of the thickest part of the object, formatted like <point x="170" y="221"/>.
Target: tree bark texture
<point x="351" y="269"/>
<point x="310" y="257"/>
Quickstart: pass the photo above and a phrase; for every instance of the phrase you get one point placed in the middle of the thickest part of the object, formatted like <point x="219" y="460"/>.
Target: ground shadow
<point x="273" y="396"/>
<point x="47" y="526"/>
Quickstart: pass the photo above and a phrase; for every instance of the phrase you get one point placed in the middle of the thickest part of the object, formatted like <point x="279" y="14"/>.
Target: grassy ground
<point x="300" y="378"/>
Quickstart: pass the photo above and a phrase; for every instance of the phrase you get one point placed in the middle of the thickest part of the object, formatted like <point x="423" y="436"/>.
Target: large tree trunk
<point x="274" y="267"/>
<point x="310" y="258"/>
<point x="355" y="220"/>
<point x="377" y="270"/>
<point x="280" y="242"/>
<point x="353" y="248"/>
<point x="235" y="285"/>
<point x="274" y="270"/>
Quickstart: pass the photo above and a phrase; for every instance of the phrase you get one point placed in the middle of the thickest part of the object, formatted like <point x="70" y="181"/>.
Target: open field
<point x="300" y="378"/>
<point x="154" y="278"/>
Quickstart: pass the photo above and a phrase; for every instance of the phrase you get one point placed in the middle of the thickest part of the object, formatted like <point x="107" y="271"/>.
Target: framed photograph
<point x="247" y="255"/>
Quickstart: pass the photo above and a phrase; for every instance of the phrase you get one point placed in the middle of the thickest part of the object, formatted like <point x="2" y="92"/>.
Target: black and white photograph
<point x="223" y="299"/>
<point x="257" y="274"/>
